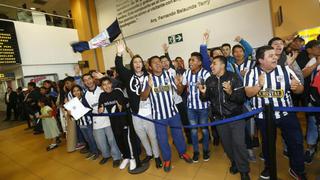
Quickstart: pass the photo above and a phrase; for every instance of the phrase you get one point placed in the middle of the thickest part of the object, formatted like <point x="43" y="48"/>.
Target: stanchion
<point x="271" y="140"/>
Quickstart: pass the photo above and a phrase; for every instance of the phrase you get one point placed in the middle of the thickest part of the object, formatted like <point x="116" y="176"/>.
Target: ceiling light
<point x="33" y="8"/>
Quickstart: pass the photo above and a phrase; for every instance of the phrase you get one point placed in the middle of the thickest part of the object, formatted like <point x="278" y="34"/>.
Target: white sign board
<point x="136" y="16"/>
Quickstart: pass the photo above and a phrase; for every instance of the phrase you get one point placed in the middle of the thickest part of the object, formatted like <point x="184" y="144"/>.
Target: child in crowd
<point x="49" y="123"/>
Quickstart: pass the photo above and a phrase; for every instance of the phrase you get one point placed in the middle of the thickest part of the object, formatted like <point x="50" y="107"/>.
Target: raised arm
<point x="124" y="73"/>
<point x="247" y="47"/>
<point x="203" y="51"/>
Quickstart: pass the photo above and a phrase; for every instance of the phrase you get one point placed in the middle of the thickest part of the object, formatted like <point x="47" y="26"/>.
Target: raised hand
<point x="165" y="47"/>
<point x="120" y="48"/>
<point x="206" y="36"/>
<point x="150" y="81"/>
<point x="292" y="57"/>
<point x="237" y="39"/>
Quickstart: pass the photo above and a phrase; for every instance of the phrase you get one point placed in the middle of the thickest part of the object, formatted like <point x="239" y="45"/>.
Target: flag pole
<point x="124" y="40"/>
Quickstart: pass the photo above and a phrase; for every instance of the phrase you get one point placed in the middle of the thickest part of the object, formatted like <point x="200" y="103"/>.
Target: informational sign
<point x="7" y="76"/>
<point x="38" y="79"/>
<point x="310" y="34"/>
<point x="9" y="49"/>
<point x="175" y="38"/>
<point x="136" y="16"/>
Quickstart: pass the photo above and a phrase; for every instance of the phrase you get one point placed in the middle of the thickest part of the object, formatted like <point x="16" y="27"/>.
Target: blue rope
<point x="219" y="122"/>
<point x="297" y="109"/>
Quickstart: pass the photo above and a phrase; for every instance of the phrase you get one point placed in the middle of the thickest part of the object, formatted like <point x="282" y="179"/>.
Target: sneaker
<point x="84" y="150"/>
<point x="52" y="146"/>
<point x="124" y="164"/>
<point x="195" y="157"/>
<point x="296" y="175"/>
<point x="255" y="142"/>
<point x="104" y="160"/>
<point x="206" y="155"/>
<point x="146" y="159"/>
<point x="285" y="154"/>
<point x="95" y="156"/>
<point x="245" y="176"/>
<point x="80" y="146"/>
<point x="252" y="156"/>
<point x="233" y="169"/>
<point x="309" y="157"/>
<point x="89" y="156"/>
<point x="167" y="166"/>
<point x="116" y="163"/>
<point x="133" y="164"/>
<point x="186" y="158"/>
<point x="265" y="174"/>
<point x="158" y="162"/>
<point x="261" y="156"/>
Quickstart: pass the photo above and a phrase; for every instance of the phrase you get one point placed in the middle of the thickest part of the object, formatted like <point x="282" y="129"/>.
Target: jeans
<point x="87" y="133"/>
<point x="312" y="130"/>
<point x="292" y="135"/>
<point x="105" y="141"/>
<point x="176" y="133"/>
<point x="199" y="116"/>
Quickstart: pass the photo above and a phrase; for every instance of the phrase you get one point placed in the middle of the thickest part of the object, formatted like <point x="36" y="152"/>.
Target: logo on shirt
<point x="280" y="78"/>
<point x="162" y="88"/>
<point x="269" y="93"/>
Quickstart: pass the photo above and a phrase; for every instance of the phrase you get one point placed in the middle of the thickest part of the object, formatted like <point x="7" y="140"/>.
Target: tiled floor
<point x="23" y="156"/>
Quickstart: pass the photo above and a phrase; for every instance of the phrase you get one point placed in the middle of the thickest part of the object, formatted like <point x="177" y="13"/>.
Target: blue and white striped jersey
<point x="191" y="81"/>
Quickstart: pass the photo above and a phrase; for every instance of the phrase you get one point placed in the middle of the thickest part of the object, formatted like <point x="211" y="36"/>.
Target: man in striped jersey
<point x="269" y="83"/>
<point x="197" y="110"/>
<point x="160" y="87"/>
<point x="241" y="62"/>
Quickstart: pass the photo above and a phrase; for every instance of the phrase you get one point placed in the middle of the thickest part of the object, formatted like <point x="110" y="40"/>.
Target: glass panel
<point x="36" y="17"/>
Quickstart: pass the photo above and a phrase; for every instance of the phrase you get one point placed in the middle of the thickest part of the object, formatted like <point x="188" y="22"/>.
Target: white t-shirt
<point x="92" y="98"/>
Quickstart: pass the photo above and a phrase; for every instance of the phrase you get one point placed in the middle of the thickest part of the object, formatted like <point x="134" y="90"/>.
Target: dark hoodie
<point x="131" y="82"/>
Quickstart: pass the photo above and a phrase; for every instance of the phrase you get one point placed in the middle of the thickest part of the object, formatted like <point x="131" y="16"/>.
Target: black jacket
<point x="12" y="98"/>
<point x="130" y="81"/>
<point x="224" y="105"/>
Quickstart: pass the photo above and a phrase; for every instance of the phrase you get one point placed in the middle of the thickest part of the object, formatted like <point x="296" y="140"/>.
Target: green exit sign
<point x="175" y="38"/>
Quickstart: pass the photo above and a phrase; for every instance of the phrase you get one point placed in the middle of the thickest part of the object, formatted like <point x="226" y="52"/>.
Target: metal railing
<point x="32" y="16"/>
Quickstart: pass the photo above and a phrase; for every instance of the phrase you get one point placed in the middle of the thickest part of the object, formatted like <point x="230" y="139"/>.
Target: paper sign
<point x="76" y="108"/>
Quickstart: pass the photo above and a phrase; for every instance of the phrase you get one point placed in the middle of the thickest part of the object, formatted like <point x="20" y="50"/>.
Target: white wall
<point x="46" y="49"/>
<point x="251" y="19"/>
<point x="41" y="44"/>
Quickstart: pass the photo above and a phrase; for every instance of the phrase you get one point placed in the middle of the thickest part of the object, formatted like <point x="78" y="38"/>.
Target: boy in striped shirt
<point x="160" y="87"/>
<point x="197" y="110"/>
<point x="269" y="83"/>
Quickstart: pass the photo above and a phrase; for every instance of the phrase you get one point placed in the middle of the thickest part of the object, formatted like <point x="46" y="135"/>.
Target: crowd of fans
<point x="218" y="83"/>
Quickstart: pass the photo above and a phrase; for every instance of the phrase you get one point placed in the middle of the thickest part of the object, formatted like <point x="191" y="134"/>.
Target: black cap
<point x="312" y="44"/>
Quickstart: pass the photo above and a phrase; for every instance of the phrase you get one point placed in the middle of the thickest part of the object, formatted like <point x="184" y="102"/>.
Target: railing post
<point x="271" y="140"/>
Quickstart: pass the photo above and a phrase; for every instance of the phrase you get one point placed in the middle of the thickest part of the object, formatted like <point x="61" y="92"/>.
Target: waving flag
<point x="103" y="39"/>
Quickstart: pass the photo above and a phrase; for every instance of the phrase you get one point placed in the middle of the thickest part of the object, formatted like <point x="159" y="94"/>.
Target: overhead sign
<point x="140" y="15"/>
<point x="9" y="49"/>
<point x="175" y="38"/>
